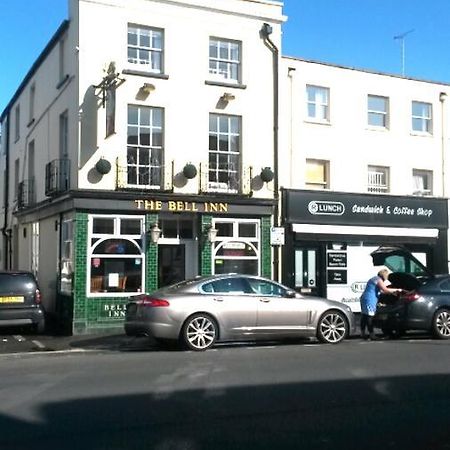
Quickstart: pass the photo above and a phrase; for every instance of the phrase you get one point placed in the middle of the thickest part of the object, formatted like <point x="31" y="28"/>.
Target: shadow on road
<point x="387" y="413"/>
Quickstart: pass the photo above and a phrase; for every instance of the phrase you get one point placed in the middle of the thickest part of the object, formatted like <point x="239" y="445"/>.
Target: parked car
<point x="230" y="307"/>
<point x="20" y="301"/>
<point x="424" y="303"/>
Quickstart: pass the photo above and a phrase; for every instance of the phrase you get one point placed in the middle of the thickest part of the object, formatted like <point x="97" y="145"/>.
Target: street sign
<point x="277" y="236"/>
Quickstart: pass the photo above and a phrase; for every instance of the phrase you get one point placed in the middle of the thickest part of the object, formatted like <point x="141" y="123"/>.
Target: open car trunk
<point x="408" y="273"/>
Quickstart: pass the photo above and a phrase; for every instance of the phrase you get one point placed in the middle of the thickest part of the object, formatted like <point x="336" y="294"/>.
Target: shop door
<point x="171" y="263"/>
<point x="306" y="271"/>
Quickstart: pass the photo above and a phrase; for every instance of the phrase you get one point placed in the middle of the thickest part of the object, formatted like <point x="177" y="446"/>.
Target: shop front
<point x="129" y="246"/>
<point x="330" y="235"/>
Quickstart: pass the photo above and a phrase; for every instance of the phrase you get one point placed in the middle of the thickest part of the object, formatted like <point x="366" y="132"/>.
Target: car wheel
<point x="332" y="327"/>
<point x="441" y="324"/>
<point x="392" y="333"/>
<point x="199" y="332"/>
<point x="39" y="327"/>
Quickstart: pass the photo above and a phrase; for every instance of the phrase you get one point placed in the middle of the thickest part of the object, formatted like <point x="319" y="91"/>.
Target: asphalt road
<point x="132" y="395"/>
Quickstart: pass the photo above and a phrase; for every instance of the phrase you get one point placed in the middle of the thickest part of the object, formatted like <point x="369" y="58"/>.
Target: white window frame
<point x="101" y="237"/>
<point x="155" y="161"/>
<point x="254" y="242"/>
<point x="426" y="120"/>
<point x="318" y="101"/>
<point x="422" y="182"/>
<point x="226" y="68"/>
<point x="17" y="123"/>
<point x="378" y="179"/>
<point x="233" y="172"/>
<point x="155" y="61"/>
<point x="66" y="276"/>
<point x="378" y="113"/>
<point x="325" y="184"/>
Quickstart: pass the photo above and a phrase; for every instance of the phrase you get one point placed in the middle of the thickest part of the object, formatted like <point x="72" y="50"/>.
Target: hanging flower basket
<point x="267" y="174"/>
<point x="103" y="166"/>
<point x="190" y="171"/>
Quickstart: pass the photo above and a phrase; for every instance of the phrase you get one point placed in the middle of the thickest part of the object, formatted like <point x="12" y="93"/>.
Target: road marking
<point x="19" y="338"/>
<point x="38" y="344"/>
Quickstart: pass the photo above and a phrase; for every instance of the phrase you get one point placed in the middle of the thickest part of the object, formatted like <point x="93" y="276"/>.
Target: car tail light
<point x="152" y="302"/>
<point x="38" y="297"/>
<point x="410" y="297"/>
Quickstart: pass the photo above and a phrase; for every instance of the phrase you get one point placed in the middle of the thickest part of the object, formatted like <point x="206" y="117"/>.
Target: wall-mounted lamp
<point x="155" y="233"/>
<point x="227" y="97"/>
<point x="267" y="174"/>
<point x="211" y="233"/>
<point x="190" y="171"/>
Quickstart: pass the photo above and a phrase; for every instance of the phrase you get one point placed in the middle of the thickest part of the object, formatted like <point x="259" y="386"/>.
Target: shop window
<point x="66" y="256"/>
<point x="177" y="229"/>
<point x="116" y="255"/>
<point x="317" y="174"/>
<point x="237" y="246"/>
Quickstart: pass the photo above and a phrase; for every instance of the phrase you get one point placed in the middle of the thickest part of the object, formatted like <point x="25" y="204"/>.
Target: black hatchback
<point x="20" y="301"/>
<point x="425" y="301"/>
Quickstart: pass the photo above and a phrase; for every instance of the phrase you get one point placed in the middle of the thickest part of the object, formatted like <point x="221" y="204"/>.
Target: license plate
<point x="12" y="299"/>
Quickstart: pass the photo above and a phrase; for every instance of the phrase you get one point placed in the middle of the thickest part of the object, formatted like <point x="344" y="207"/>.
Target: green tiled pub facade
<point x="83" y="313"/>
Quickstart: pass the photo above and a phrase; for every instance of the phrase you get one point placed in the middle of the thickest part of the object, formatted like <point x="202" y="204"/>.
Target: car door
<point x="279" y="313"/>
<point x="232" y="303"/>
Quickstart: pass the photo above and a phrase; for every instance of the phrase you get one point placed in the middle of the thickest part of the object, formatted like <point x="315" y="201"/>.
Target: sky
<point x="353" y="33"/>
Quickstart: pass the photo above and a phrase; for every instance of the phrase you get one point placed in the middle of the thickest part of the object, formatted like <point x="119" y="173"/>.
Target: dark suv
<point x="425" y="301"/>
<point x="20" y="301"/>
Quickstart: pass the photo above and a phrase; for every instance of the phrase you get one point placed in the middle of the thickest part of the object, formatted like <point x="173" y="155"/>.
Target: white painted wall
<point x="347" y="142"/>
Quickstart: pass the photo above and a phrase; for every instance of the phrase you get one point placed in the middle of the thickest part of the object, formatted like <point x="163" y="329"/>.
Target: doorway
<point x="171" y="263"/>
<point x="307" y="275"/>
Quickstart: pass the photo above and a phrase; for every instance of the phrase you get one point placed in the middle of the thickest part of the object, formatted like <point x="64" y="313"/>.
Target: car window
<point x="263" y="287"/>
<point x="445" y="285"/>
<point x="228" y="286"/>
<point x="399" y="263"/>
<point x="17" y="283"/>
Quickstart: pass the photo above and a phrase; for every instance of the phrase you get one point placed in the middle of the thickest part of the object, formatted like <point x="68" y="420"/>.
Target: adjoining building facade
<point x="133" y="155"/>
<point x="365" y="164"/>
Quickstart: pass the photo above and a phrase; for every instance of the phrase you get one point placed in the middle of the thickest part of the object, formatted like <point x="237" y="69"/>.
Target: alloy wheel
<point x="442" y="324"/>
<point x="200" y="332"/>
<point x="332" y="328"/>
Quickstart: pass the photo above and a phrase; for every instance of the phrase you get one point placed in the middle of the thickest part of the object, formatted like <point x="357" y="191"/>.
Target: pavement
<point x="19" y="341"/>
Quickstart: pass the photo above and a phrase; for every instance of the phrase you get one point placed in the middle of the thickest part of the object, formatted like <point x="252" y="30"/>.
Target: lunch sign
<point x="360" y="209"/>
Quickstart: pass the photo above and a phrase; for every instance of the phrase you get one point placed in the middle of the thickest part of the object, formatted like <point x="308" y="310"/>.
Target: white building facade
<point x="133" y="156"/>
<point x="365" y="165"/>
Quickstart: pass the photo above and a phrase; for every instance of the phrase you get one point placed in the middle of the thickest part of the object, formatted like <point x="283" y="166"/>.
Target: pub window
<point x="237" y="246"/>
<point x="116" y="255"/>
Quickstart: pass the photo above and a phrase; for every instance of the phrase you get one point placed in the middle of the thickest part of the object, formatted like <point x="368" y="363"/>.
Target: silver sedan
<point x="231" y="307"/>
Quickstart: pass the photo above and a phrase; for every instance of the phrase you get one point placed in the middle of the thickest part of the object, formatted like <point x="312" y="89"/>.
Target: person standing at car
<point x="374" y="287"/>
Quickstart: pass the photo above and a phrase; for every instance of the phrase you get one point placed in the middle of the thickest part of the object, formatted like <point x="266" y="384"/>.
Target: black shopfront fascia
<point x="343" y="209"/>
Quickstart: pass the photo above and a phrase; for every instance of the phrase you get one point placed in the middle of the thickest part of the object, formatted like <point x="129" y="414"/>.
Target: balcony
<point x="26" y="195"/>
<point x="57" y="177"/>
<point x="163" y="178"/>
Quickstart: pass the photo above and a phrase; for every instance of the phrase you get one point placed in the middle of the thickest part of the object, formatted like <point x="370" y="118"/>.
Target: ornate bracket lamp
<point x="210" y="233"/>
<point x="155" y="233"/>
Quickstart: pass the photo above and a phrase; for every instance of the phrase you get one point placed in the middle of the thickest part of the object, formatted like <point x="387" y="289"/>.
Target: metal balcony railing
<point x="26" y="195"/>
<point x="57" y="177"/>
<point x="156" y="177"/>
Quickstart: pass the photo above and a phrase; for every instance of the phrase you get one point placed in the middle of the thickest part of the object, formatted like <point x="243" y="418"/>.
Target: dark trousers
<point x="366" y="322"/>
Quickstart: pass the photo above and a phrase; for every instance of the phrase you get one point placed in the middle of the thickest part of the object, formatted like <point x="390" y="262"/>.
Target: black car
<point x="20" y="301"/>
<point x="425" y="301"/>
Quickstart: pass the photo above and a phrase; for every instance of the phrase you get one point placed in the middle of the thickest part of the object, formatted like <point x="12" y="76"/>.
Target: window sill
<point x="318" y="122"/>
<point x="62" y="82"/>
<point x="421" y="134"/>
<point x="227" y="85"/>
<point x="375" y="128"/>
<point x="143" y="73"/>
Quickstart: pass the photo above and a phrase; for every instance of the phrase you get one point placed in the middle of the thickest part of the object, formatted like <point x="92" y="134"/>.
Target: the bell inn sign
<point x="177" y="206"/>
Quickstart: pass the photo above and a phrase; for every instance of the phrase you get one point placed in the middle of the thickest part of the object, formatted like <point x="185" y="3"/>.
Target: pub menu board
<point x="337" y="266"/>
